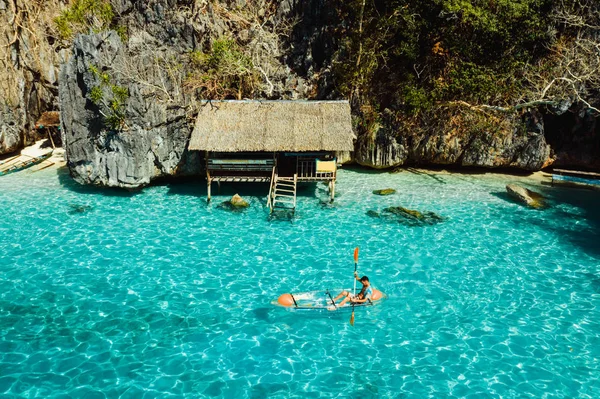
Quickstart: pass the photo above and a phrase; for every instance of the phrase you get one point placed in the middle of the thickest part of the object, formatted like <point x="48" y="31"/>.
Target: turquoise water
<point x="156" y="294"/>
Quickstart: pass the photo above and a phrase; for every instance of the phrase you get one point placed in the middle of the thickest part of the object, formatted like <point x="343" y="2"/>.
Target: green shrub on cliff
<point x="226" y="71"/>
<point x="109" y="98"/>
<point x="84" y="16"/>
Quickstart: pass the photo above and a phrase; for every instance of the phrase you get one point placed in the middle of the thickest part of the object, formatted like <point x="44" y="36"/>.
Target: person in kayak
<point x="365" y="294"/>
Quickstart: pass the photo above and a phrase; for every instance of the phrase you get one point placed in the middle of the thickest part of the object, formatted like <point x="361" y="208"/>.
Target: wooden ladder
<point x="282" y="194"/>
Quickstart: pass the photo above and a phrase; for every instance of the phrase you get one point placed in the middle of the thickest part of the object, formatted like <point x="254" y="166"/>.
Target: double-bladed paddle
<point x="355" y="266"/>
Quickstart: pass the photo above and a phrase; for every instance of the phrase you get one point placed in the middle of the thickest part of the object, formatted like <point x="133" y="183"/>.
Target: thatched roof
<point x="273" y="126"/>
<point x="48" y="119"/>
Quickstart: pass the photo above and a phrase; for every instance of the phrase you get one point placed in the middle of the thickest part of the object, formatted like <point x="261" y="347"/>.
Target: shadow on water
<point x="65" y="180"/>
<point x="577" y="211"/>
<point x="587" y="235"/>
<point x="503" y="195"/>
<point x="428" y="174"/>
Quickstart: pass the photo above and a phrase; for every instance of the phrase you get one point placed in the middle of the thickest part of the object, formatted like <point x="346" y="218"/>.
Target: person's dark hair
<point x="364" y="278"/>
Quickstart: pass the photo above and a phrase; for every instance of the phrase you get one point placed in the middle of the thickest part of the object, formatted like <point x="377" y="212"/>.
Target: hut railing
<point x="307" y="170"/>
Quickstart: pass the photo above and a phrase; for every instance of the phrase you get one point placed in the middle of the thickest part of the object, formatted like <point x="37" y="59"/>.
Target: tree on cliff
<point x="503" y="55"/>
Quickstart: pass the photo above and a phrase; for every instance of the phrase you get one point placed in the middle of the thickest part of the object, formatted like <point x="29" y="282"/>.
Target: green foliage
<point x="85" y="15"/>
<point x="411" y="56"/>
<point x="96" y="95"/>
<point x="488" y="31"/>
<point x="225" y="71"/>
<point x="416" y="98"/>
<point x="109" y="98"/>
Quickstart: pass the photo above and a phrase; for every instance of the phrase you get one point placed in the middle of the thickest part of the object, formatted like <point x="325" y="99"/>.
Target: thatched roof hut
<point x="273" y="126"/>
<point x="48" y="119"/>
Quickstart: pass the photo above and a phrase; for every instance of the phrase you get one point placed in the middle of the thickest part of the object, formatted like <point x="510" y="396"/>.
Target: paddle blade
<point x="356" y="255"/>
<point x="352" y="318"/>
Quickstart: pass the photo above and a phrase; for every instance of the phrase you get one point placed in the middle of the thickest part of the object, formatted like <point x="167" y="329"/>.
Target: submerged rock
<point x="411" y="217"/>
<point x="373" y="214"/>
<point x="75" y="208"/>
<point x="525" y="196"/>
<point x="385" y="191"/>
<point x="235" y="204"/>
<point x="238" y="202"/>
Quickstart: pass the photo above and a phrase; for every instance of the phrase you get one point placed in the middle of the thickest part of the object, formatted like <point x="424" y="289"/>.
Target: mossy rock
<point x="238" y="202"/>
<point x="373" y="214"/>
<point x="411" y="217"/>
<point x="385" y="191"/>
<point x="79" y="208"/>
<point x="401" y="211"/>
<point x="235" y="204"/>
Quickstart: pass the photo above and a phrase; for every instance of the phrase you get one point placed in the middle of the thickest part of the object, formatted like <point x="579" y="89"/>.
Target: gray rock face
<point x="515" y="146"/>
<point x="155" y="133"/>
<point x="28" y="70"/>
<point x="10" y="132"/>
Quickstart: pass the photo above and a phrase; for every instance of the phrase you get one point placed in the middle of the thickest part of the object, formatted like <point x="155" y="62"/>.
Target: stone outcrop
<point x="526" y="197"/>
<point x="10" y="132"/>
<point x="153" y="140"/>
<point x="29" y="65"/>
<point x="457" y="138"/>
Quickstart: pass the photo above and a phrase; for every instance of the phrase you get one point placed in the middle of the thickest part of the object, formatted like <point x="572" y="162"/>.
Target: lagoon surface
<point x="157" y="294"/>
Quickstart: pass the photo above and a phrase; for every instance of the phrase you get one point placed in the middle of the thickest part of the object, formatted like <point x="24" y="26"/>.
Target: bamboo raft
<point x="20" y="162"/>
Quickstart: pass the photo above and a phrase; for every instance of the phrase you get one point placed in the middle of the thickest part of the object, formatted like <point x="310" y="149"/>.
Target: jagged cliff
<point x="30" y="60"/>
<point x="129" y="94"/>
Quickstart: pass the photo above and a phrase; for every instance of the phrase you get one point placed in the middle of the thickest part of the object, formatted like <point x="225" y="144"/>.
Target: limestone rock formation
<point x="525" y="196"/>
<point x="456" y="139"/>
<point x="10" y="132"/>
<point x="152" y="139"/>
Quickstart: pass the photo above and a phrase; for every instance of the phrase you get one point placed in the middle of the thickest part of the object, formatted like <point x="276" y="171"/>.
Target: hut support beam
<point x="332" y="190"/>
<point x="208" y="184"/>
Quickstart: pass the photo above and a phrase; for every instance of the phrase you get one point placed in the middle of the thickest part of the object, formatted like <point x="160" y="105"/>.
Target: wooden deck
<point x="283" y="177"/>
<point x="576" y="173"/>
<point x="575" y="178"/>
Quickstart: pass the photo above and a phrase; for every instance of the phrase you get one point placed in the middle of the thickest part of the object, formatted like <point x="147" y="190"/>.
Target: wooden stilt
<point x="50" y="136"/>
<point x="332" y="189"/>
<point x="208" y="182"/>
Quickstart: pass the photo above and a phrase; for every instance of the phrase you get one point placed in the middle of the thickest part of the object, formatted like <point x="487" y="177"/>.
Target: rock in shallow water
<point x="525" y="196"/>
<point x="373" y="214"/>
<point x="408" y="217"/>
<point x="238" y="202"/>
<point x="385" y="191"/>
<point x="235" y="204"/>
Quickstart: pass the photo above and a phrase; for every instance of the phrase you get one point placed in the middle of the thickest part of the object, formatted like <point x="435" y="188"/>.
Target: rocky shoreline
<point x="155" y="116"/>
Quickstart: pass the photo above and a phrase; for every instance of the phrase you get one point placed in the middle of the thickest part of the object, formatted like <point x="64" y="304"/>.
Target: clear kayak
<point x="323" y="301"/>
